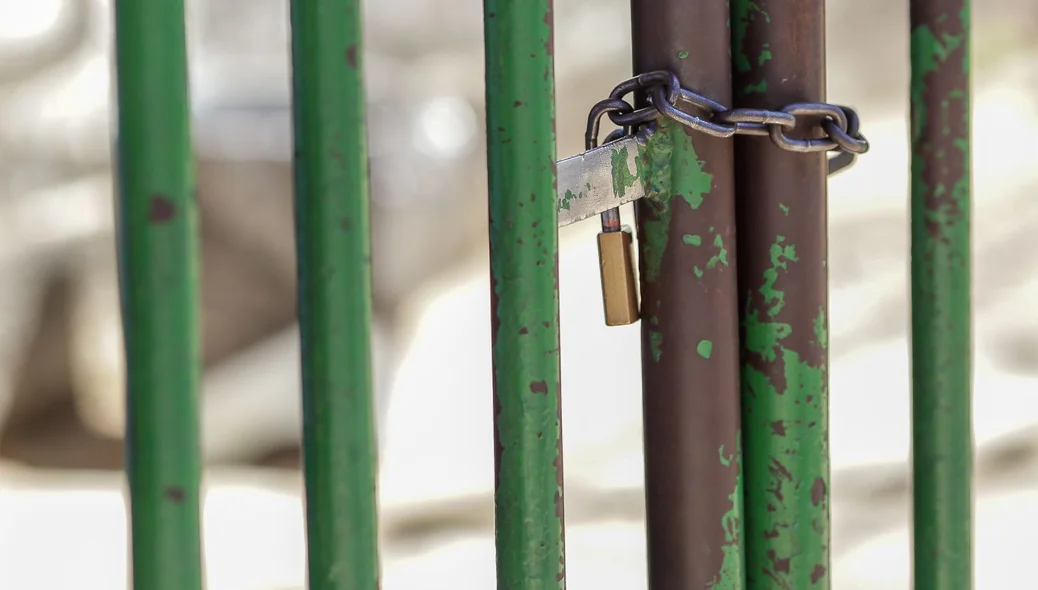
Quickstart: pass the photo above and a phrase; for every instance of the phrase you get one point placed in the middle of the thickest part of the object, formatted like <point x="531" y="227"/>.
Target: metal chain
<point x="839" y="124"/>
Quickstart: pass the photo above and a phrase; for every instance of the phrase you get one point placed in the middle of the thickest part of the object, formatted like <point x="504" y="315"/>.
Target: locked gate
<point x="722" y="151"/>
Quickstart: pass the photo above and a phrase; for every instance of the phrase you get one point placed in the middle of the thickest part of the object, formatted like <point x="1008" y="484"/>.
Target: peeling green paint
<point x="676" y="177"/>
<point x="694" y="200"/>
<point x="796" y="417"/>
<point x="821" y="329"/>
<point x="623" y="178"/>
<point x="722" y="253"/>
<point x="928" y="51"/>
<point x="743" y="11"/>
<point x="762" y="338"/>
<point x="725" y="460"/>
<point x="941" y="305"/>
<point x="654" y="168"/>
<point x="765" y="55"/>
<point x="758" y="88"/>
<point x="745" y="56"/>
<point x="705" y="348"/>
<point x="569" y="196"/>
<point x="698" y="185"/>
<point x="731" y="575"/>
<point x="781" y="255"/>
<point x="783" y="315"/>
<point x="656" y="342"/>
<point x="682" y="54"/>
<point x="792" y="410"/>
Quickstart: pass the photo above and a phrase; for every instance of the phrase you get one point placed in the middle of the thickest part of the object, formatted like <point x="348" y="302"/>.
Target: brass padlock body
<point x="616" y="259"/>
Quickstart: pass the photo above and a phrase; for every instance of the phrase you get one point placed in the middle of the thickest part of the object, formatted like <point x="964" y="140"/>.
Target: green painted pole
<point x="158" y="259"/>
<point x="520" y="98"/>
<point x="778" y="54"/>
<point x="335" y="301"/>
<point x="942" y="437"/>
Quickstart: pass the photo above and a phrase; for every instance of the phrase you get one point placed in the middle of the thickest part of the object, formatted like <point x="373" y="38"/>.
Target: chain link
<point x="839" y="125"/>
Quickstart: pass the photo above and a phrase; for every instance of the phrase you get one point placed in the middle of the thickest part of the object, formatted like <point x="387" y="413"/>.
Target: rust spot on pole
<point x="175" y="494"/>
<point x="161" y="209"/>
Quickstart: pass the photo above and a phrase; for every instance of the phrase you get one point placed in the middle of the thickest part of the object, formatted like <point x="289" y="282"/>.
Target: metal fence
<point x="732" y="262"/>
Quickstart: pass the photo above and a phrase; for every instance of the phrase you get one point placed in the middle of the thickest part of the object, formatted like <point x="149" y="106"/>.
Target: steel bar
<point x="778" y="52"/>
<point x="520" y="99"/>
<point x="335" y="300"/>
<point x="690" y="370"/>
<point x="158" y="260"/>
<point x="942" y="438"/>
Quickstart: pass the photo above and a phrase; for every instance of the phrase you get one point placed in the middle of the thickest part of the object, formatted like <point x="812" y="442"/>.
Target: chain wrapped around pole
<point x="838" y="126"/>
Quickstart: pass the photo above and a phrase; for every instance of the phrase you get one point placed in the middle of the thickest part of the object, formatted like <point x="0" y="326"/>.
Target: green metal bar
<point x="158" y="258"/>
<point x="942" y="438"/>
<point x="335" y="301"/>
<point x="520" y="98"/>
<point x="778" y="53"/>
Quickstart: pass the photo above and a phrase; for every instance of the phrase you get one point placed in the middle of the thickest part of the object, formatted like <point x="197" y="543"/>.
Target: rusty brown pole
<point x="690" y="366"/>
<point x="778" y="50"/>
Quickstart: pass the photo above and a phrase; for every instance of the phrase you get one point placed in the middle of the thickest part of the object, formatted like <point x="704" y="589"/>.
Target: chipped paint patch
<point x="941" y="293"/>
<point x="656" y="344"/>
<point x="655" y="169"/>
<point x="705" y="348"/>
<point x="781" y="255"/>
<point x="744" y="12"/>
<point x="568" y="197"/>
<point x="623" y="178"/>
<point x="722" y="253"/>
<point x="928" y="51"/>
<point x="731" y="575"/>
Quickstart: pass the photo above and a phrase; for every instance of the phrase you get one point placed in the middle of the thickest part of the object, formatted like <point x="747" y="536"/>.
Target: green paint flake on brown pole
<point x="779" y="56"/>
<point x="942" y="437"/>
<point x="690" y="366"/>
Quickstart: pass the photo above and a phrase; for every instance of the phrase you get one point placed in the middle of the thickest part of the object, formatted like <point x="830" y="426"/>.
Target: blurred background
<point x="62" y="521"/>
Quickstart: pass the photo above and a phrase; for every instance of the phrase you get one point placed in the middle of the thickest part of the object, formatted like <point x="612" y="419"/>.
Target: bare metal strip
<point x="599" y="179"/>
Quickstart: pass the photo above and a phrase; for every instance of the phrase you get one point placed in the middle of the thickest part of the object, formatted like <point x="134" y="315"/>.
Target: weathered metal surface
<point x="686" y="228"/>
<point x="158" y="251"/>
<point x="778" y="50"/>
<point x="520" y="95"/>
<point x="942" y="437"/>
<point x="599" y="179"/>
<point x="335" y="302"/>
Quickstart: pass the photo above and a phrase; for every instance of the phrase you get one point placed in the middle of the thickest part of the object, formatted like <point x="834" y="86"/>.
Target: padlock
<point x="615" y="243"/>
<point x="616" y="261"/>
